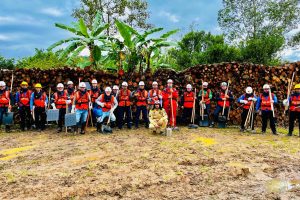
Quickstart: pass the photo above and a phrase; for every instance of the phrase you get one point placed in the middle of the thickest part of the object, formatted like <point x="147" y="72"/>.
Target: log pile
<point x="240" y="75"/>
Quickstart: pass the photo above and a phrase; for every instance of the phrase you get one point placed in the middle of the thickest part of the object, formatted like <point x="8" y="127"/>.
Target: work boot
<point x="290" y="134"/>
<point x="7" y="129"/>
<point x="242" y="130"/>
<point x="275" y="133"/>
<point x="212" y="125"/>
<point x="99" y="127"/>
<point x="82" y="131"/>
<point x="59" y="130"/>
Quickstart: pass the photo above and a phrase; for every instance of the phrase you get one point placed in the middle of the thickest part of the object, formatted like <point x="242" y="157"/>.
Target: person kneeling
<point x="108" y="103"/>
<point x="158" y="119"/>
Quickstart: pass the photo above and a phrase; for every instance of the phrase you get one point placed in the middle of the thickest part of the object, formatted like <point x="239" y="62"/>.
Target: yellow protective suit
<point x="158" y="120"/>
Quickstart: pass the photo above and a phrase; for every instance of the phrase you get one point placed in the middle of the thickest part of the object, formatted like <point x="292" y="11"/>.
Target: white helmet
<point x="82" y="85"/>
<point x="125" y="84"/>
<point x="70" y="83"/>
<point x="249" y="90"/>
<point x="188" y="86"/>
<point x="2" y="83"/>
<point x="205" y="83"/>
<point x="170" y="81"/>
<point x="154" y="83"/>
<point x="141" y="83"/>
<point x="60" y="85"/>
<point x="94" y="81"/>
<point x="223" y="84"/>
<point x="115" y="87"/>
<point x="108" y="89"/>
<point x="266" y="86"/>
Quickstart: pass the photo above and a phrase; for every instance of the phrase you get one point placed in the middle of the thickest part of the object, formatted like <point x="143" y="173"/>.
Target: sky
<point x="29" y="24"/>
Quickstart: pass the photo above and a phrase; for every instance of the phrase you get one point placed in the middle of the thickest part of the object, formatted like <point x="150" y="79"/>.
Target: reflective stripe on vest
<point x="142" y="98"/>
<point x="124" y="99"/>
<point x="60" y="100"/>
<point x="24" y="98"/>
<point x="188" y="99"/>
<point x="295" y="103"/>
<point x="221" y="102"/>
<point x="81" y="101"/>
<point x="266" y="102"/>
<point x="107" y="104"/>
<point x="153" y="94"/>
<point x="4" y="99"/>
<point x="40" y="102"/>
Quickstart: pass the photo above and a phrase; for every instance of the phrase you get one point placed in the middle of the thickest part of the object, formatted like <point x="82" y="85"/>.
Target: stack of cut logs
<point x="240" y="76"/>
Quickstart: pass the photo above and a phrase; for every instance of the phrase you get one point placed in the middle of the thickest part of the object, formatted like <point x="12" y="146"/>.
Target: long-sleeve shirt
<point x="115" y="104"/>
<point x="210" y="94"/>
<point x="245" y="97"/>
<point x="32" y="100"/>
<point x="258" y="103"/>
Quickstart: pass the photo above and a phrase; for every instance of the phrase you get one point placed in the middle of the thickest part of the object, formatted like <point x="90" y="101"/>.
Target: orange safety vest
<point x="142" y="98"/>
<point x="153" y="94"/>
<point x="265" y="102"/>
<point x="188" y="99"/>
<point x="4" y="99"/>
<point x="24" y="98"/>
<point x="60" y="100"/>
<point x="295" y="103"/>
<point x="247" y="105"/>
<point x="81" y="101"/>
<point x="206" y="97"/>
<point x="221" y="102"/>
<point x="107" y="104"/>
<point x="94" y="95"/>
<point x="124" y="98"/>
<point x="40" y="102"/>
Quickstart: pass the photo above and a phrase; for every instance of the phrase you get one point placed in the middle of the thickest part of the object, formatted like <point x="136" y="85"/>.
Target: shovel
<point x="193" y="125"/>
<point x="106" y="129"/>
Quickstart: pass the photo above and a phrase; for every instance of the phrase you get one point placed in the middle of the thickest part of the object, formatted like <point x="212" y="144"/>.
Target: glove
<point x="250" y="99"/>
<point x="91" y="106"/>
<point x="244" y="101"/>
<point x="204" y="106"/>
<point x="101" y="104"/>
<point x="53" y="106"/>
<point x="45" y="104"/>
<point x="254" y="99"/>
<point x="160" y="96"/>
<point x="272" y="101"/>
<point x="73" y="109"/>
<point x="286" y="102"/>
<point x="68" y="101"/>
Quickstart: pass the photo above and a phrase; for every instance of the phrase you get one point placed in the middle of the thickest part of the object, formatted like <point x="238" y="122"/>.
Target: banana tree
<point x="93" y="39"/>
<point x="138" y="47"/>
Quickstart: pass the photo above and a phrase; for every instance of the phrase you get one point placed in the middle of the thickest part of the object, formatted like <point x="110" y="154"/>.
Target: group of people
<point x="157" y="108"/>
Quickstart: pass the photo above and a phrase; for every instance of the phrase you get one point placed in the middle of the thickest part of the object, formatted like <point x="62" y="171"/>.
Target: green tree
<point x="7" y="63"/>
<point x="132" y="12"/>
<point x="199" y="47"/>
<point x="43" y="60"/>
<point x="93" y="39"/>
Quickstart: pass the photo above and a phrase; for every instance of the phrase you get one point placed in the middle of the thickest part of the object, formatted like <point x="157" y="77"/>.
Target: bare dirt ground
<point x="192" y="164"/>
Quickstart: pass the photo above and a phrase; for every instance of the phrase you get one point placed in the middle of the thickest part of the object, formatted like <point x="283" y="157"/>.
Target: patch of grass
<point x="8" y="154"/>
<point x="205" y="141"/>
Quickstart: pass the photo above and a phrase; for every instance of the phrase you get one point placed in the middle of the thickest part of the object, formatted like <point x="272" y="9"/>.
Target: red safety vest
<point x="206" y="97"/>
<point x="142" y="98"/>
<point x="295" y="103"/>
<point x="4" y="99"/>
<point x="81" y="101"/>
<point x="60" y="100"/>
<point x="153" y="94"/>
<point x="71" y="95"/>
<point x="24" y="98"/>
<point x="107" y="104"/>
<point x="94" y="95"/>
<point x="247" y="105"/>
<point x="265" y="102"/>
<point x="124" y="98"/>
<point x="221" y="102"/>
<point x="188" y="99"/>
<point x="40" y="102"/>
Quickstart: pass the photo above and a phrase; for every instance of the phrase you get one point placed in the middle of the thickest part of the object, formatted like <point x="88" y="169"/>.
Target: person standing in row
<point x="38" y="104"/>
<point x="82" y="104"/>
<point x="187" y="104"/>
<point x="23" y="103"/>
<point x="70" y="91"/>
<point x="5" y="98"/>
<point x="247" y="100"/>
<point x="265" y="104"/>
<point x="94" y="94"/>
<point x="294" y="103"/>
<point x="124" y="105"/>
<point x="155" y="94"/>
<point x="142" y="96"/>
<point x="205" y="98"/>
<point x="60" y="102"/>
<point x="170" y="103"/>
